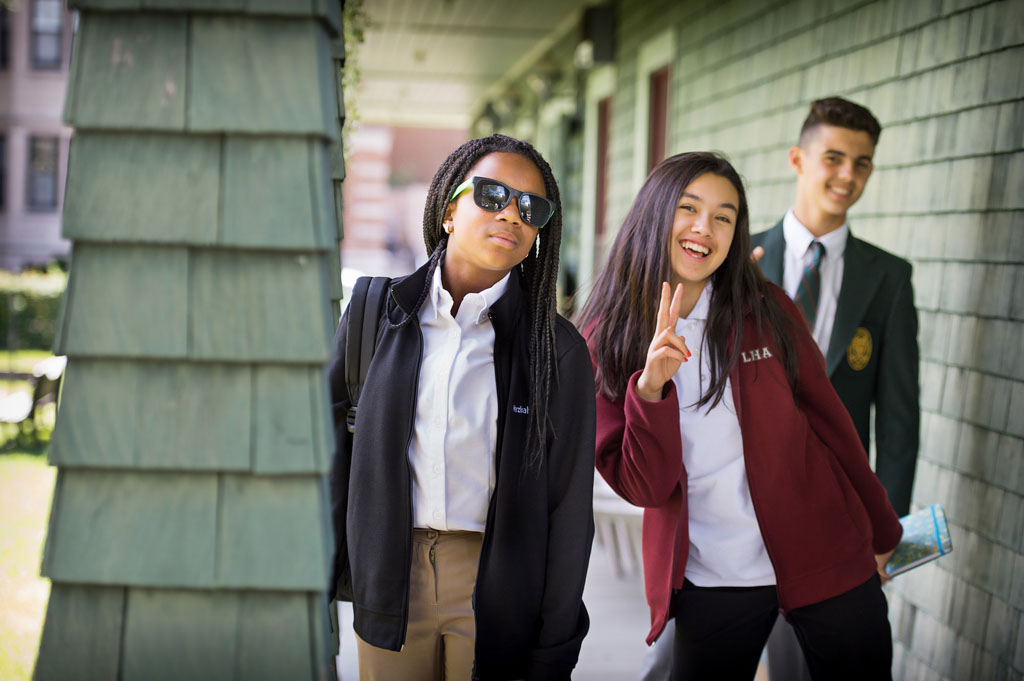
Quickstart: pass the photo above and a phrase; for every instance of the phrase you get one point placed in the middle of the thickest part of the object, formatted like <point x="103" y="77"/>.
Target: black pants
<point x="720" y="632"/>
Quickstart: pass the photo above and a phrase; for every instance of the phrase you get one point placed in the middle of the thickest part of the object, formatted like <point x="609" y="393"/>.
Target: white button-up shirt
<point x="726" y="548"/>
<point x="456" y="428"/>
<point x="798" y="242"/>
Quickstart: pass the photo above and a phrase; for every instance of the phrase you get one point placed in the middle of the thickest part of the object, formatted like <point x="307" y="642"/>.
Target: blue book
<point x="925" y="538"/>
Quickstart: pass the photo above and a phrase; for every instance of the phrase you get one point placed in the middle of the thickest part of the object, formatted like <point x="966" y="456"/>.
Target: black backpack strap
<point x="367" y="303"/>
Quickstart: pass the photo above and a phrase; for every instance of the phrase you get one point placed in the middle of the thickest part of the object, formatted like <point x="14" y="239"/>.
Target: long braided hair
<point x="539" y="271"/>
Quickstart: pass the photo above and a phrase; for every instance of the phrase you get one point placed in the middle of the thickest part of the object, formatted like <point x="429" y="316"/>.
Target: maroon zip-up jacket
<point x="822" y="512"/>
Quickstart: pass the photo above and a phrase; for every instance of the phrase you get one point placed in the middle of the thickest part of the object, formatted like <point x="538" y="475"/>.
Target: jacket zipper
<point x="502" y="390"/>
<point x="502" y="422"/>
<point x="408" y="469"/>
<point x="499" y="381"/>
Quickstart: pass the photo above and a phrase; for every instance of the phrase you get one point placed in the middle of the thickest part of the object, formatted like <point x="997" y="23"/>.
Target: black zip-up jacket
<point x="528" y="599"/>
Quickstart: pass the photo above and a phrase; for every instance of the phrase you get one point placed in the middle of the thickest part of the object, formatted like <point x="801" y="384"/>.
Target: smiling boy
<point x="857" y="298"/>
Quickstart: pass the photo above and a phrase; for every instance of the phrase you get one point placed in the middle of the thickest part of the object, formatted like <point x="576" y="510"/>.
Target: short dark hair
<point x="841" y="113"/>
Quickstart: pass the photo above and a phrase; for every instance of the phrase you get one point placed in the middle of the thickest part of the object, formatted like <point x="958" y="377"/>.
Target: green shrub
<point x="29" y="306"/>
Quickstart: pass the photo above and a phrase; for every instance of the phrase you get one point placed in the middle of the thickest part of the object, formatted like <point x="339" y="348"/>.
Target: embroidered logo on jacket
<point x="858" y="354"/>
<point x="520" y="410"/>
<point x="756" y="354"/>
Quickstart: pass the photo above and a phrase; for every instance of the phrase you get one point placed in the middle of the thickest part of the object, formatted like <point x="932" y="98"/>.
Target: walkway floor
<point x="612" y="651"/>
<point x="619" y="621"/>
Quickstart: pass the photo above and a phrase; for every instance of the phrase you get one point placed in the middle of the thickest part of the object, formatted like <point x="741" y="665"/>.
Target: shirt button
<point x="437" y="515"/>
<point x="437" y="468"/>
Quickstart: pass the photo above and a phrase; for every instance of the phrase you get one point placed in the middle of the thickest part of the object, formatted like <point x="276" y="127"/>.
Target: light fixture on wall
<point x="583" y="58"/>
<point x="488" y="121"/>
<point x="598" y="37"/>
<point x="538" y="84"/>
<point x="544" y="78"/>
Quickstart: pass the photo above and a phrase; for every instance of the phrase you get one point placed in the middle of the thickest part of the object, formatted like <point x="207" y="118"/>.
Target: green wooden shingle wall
<point x="190" y="535"/>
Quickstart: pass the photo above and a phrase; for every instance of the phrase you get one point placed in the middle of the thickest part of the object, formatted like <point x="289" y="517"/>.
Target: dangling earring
<point x="449" y="227"/>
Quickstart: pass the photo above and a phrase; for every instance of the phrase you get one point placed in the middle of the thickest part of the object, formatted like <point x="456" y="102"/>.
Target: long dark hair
<point x="539" y="271"/>
<point x="623" y="305"/>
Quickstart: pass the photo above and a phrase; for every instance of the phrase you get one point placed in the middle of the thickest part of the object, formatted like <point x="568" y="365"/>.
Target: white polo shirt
<point x="798" y="242"/>
<point x="726" y="548"/>
<point x="456" y="427"/>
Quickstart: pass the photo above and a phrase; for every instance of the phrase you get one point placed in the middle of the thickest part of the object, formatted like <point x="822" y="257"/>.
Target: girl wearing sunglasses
<point x="462" y="501"/>
<point x="716" y="415"/>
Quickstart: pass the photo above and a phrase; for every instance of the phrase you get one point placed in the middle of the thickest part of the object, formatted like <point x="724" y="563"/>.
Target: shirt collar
<point x="700" y="309"/>
<point x="478" y="303"/>
<point x="703" y="306"/>
<point x="799" y="238"/>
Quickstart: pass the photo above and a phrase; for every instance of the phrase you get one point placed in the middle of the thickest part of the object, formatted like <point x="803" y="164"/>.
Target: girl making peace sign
<point x="714" y="413"/>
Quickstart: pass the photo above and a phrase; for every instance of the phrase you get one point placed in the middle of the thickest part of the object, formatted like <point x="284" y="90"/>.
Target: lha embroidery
<point x="755" y="354"/>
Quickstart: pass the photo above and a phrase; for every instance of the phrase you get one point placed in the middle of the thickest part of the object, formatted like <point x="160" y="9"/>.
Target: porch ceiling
<point x="433" y="63"/>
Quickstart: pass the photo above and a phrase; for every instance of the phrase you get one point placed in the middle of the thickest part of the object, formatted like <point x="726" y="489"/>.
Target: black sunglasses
<point x="492" y="196"/>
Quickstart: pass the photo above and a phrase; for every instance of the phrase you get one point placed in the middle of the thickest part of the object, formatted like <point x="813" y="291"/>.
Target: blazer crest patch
<point x="858" y="353"/>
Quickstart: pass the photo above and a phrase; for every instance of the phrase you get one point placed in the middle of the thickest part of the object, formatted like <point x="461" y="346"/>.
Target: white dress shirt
<point x="456" y="428"/>
<point x="798" y="242"/>
<point x="726" y="547"/>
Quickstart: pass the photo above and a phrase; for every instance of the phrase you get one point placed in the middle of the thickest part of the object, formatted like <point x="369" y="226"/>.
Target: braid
<point x="539" y="270"/>
<point x="435" y="258"/>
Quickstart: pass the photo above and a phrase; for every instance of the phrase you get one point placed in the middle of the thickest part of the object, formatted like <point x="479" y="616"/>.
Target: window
<point x="652" y="101"/>
<point x="46" y="34"/>
<point x="595" y="223"/>
<point x="42" y="173"/>
<point x="5" y="37"/>
<point x="658" y="124"/>
<point x="604" y="127"/>
<point x="3" y="170"/>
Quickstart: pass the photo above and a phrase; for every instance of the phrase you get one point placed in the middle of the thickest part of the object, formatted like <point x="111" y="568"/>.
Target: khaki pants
<point x="442" y="630"/>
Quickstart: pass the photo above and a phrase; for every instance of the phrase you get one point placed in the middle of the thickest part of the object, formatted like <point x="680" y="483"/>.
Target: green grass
<point x="26" y="488"/>
<point x="21" y="361"/>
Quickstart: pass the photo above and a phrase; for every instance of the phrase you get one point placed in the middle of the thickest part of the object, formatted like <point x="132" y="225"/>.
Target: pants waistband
<point x="427" y="535"/>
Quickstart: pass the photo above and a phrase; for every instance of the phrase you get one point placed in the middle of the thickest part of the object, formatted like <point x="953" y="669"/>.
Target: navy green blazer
<point x="872" y="354"/>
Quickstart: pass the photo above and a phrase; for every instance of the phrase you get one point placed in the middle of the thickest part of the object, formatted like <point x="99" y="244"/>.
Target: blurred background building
<point x="387" y="177"/>
<point x="35" y="48"/>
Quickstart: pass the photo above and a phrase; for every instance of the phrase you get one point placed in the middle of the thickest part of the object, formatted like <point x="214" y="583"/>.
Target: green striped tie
<point x="809" y="290"/>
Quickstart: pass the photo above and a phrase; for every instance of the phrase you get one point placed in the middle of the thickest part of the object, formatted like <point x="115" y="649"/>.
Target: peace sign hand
<point x="667" y="350"/>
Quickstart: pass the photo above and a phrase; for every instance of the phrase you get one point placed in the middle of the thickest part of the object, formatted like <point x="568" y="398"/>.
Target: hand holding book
<point x="925" y="538"/>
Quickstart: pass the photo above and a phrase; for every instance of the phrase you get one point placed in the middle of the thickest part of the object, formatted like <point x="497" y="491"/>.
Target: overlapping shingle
<point x="126" y="302"/>
<point x="327" y="12"/>
<point x="129" y="528"/>
<point x="285" y="83"/>
<point x="82" y="633"/>
<point x="266" y="418"/>
<point x="130" y="73"/>
<point x="186" y="530"/>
